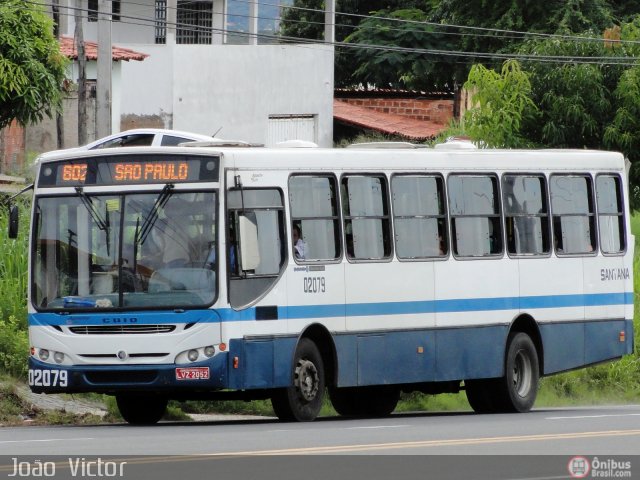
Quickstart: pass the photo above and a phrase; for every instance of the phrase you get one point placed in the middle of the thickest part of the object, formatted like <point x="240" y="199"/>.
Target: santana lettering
<point x="614" y="274"/>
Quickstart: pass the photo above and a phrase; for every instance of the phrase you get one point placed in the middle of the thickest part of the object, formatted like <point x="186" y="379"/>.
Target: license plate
<point x="192" y="373"/>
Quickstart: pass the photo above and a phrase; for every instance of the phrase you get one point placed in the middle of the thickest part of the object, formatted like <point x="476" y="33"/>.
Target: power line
<point x="512" y="34"/>
<point x="622" y="61"/>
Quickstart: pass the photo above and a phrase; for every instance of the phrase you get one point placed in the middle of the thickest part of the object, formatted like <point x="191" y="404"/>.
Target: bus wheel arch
<point x="516" y="389"/>
<point x="526" y="324"/>
<point x="312" y="366"/>
<point x="323" y="339"/>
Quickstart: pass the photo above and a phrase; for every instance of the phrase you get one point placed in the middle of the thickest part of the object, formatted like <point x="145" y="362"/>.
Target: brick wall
<point x="437" y="111"/>
<point x="12" y="148"/>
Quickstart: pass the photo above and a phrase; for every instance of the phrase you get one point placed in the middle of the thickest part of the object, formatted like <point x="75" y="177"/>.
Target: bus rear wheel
<point x="364" y="401"/>
<point x="518" y="389"/>
<point x="141" y="409"/>
<point x="302" y="401"/>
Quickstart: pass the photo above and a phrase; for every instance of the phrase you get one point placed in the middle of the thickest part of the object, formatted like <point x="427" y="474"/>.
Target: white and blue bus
<point x="173" y="273"/>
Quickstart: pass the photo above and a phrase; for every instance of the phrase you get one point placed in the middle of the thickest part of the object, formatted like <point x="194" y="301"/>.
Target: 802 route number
<point x="48" y="378"/>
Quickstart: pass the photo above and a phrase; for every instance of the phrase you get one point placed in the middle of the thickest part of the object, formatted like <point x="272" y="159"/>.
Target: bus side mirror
<point x="14" y="215"/>
<point x="249" y="247"/>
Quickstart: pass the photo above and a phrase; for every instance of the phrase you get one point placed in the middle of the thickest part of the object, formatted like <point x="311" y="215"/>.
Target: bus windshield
<point x="133" y="250"/>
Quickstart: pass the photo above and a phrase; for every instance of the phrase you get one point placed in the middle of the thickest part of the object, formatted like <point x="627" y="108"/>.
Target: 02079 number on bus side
<point x="314" y="285"/>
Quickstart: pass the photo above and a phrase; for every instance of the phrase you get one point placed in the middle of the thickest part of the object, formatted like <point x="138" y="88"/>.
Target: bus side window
<point x="474" y="206"/>
<point x="366" y="217"/>
<point x="314" y="216"/>
<point x="526" y="214"/>
<point x="610" y="214"/>
<point x="419" y="216"/>
<point x="573" y="214"/>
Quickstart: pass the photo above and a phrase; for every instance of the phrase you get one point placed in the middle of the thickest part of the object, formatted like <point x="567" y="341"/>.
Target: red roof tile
<point x="390" y="124"/>
<point x="68" y="49"/>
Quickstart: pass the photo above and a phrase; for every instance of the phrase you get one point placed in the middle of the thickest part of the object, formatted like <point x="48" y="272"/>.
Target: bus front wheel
<point x="303" y="400"/>
<point x="141" y="409"/>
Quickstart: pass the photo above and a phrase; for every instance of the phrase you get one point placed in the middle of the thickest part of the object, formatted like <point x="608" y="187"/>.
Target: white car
<point x="138" y="137"/>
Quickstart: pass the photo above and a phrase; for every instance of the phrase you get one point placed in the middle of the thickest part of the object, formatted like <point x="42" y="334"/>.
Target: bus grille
<point x="121" y="329"/>
<point x="135" y="376"/>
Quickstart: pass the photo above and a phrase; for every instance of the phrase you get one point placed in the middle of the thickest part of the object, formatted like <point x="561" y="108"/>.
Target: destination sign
<point x="130" y="169"/>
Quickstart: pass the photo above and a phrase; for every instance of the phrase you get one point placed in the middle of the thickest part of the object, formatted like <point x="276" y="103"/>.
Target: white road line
<point x="47" y="440"/>
<point x="377" y="426"/>
<point x="594" y="416"/>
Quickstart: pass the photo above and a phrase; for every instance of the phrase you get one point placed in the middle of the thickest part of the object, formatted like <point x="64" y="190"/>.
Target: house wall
<point x="43" y="137"/>
<point x="12" y="148"/>
<point x="438" y="111"/>
<point x="201" y="88"/>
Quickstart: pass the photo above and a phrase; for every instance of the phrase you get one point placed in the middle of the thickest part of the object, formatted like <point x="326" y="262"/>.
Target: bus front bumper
<point x="208" y="375"/>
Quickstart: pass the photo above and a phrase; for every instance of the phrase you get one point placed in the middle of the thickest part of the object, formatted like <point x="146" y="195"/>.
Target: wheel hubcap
<point x="522" y="374"/>
<point x="307" y="380"/>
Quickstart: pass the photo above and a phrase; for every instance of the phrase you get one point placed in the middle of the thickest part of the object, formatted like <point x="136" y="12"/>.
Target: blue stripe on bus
<point x="339" y="310"/>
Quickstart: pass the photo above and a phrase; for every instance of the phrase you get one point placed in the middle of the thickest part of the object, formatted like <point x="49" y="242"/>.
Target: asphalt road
<point x="406" y="439"/>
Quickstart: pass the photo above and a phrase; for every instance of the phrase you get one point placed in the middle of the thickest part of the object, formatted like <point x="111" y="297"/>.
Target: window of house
<point x="367" y="228"/>
<point x="92" y="10"/>
<point x="194" y="20"/>
<point x="314" y="217"/>
<point x="572" y="208"/>
<point x="419" y="216"/>
<point x="474" y="206"/>
<point x="526" y="214"/>
<point x="610" y="214"/>
<point x="161" y="22"/>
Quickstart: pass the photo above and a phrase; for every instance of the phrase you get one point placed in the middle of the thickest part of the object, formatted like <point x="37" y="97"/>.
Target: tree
<point x="575" y="99"/>
<point x="306" y="21"/>
<point x="388" y="55"/>
<point x="31" y="66"/>
<point x="501" y="101"/>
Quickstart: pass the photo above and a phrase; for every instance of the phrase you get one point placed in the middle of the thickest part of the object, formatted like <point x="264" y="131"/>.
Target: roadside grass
<point x="15" y="410"/>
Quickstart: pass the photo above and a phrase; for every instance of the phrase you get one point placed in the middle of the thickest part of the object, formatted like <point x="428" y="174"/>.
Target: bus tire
<point x="364" y="401"/>
<point x="518" y="389"/>
<point x="303" y="400"/>
<point x="141" y="409"/>
<point x="345" y="400"/>
<point x="480" y="395"/>
<point x="380" y="401"/>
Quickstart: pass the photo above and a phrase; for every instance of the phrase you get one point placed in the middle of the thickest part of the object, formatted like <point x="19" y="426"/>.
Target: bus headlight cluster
<point x="48" y="356"/>
<point x="197" y="354"/>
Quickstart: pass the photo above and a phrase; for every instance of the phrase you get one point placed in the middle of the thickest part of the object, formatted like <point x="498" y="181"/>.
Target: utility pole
<point x="330" y="21"/>
<point x="55" y="7"/>
<point x="253" y="22"/>
<point x="82" y="75"/>
<point x="105" y="64"/>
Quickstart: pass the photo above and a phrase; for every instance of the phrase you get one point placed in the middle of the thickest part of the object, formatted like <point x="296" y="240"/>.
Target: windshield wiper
<point x="102" y="223"/>
<point x="150" y="221"/>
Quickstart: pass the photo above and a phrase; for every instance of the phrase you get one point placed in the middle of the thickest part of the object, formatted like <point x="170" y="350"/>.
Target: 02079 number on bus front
<point x="48" y="378"/>
<point x="314" y="285"/>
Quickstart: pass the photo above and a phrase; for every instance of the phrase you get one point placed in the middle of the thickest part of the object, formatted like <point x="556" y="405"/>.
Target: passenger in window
<point x="299" y="245"/>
